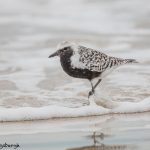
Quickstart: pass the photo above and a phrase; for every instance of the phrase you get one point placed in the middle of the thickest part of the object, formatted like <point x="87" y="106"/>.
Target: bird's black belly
<point x="76" y="72"/>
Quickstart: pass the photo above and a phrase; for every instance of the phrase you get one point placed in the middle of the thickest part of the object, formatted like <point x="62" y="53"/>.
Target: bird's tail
<point x="128" y="61"/>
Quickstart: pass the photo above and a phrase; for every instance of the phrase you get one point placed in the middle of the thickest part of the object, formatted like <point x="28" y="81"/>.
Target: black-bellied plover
<point x="82" y="62"/>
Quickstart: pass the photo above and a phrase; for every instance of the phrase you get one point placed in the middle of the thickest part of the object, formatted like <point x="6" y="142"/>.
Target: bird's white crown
<point x="67" y="44"/>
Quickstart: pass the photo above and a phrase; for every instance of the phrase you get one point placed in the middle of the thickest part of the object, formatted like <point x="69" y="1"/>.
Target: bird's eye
<point x="65" y="48"/>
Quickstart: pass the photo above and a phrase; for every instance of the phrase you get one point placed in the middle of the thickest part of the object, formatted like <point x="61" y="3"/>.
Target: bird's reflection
<point x="98" y="145"/>
<point x="97" y="138"/>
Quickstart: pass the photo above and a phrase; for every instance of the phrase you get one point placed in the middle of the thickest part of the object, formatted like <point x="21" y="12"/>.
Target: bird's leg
<point x="97" y="84"/>
<point x="93" y="87"/>
<point x="92" y="91"/>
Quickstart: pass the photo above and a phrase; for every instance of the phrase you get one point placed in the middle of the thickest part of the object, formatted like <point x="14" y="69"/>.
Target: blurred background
<point x="31" y="29"/>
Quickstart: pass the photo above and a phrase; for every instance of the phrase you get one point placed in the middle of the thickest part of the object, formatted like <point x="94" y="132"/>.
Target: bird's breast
<point x="74" y="71"/>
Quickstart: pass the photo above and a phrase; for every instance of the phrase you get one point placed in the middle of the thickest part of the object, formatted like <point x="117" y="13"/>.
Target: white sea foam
<point x="53" y="111"/>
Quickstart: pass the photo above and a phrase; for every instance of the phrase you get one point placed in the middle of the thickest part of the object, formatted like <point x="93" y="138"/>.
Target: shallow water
<point x="109" y="132"/>
<point x="30" y="31"/>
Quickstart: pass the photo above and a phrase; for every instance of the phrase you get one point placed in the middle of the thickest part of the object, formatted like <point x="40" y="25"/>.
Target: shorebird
<point x="81" y="62"/>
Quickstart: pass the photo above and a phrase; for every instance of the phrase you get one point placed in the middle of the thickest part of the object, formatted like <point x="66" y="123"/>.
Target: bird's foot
<point x="90" y="93"/>
<point x="91" y="99"/>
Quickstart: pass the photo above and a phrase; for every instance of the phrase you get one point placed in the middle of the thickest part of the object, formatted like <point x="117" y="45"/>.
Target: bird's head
<point x="62" y="48"/>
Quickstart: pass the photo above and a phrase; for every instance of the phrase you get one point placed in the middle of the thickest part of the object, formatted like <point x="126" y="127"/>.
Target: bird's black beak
<point x="53" y="55"/>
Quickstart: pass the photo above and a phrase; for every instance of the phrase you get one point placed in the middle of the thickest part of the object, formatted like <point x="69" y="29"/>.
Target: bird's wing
<point x="86" y="58"/>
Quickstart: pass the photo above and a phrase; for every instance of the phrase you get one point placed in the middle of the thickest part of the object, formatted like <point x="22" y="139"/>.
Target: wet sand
<point x="108" y="132"/>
